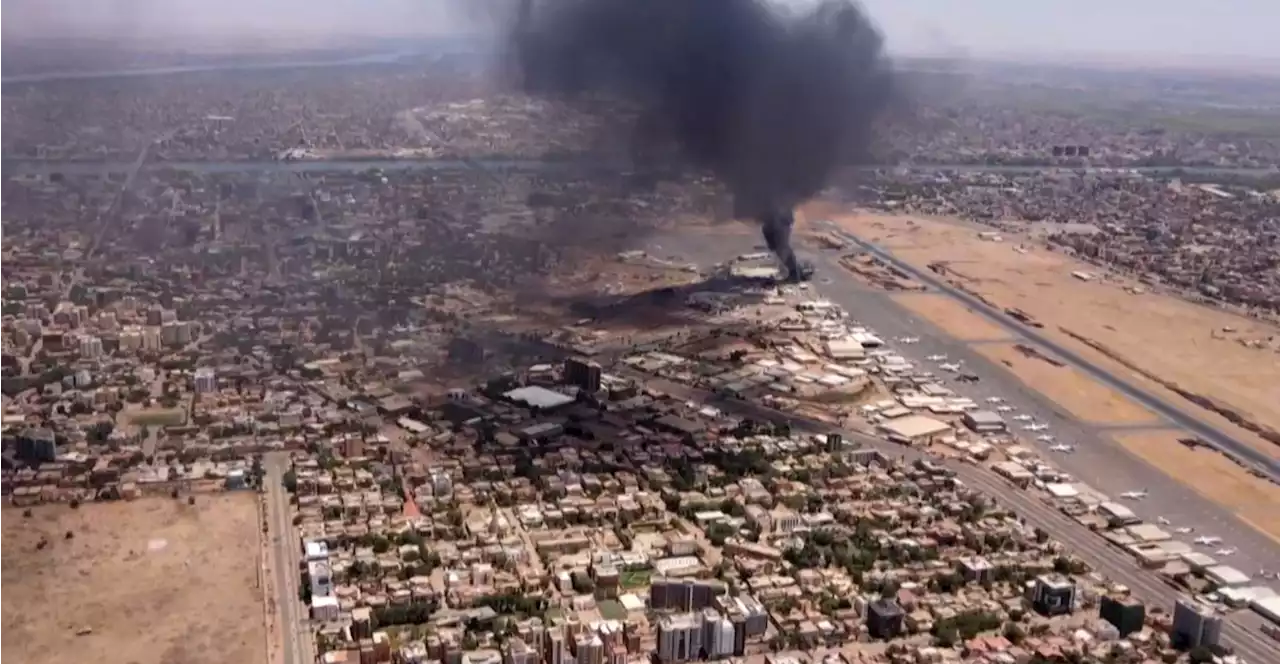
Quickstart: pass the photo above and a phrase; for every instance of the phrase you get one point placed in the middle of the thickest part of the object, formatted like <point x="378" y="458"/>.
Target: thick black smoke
<point x="770" y="102"/>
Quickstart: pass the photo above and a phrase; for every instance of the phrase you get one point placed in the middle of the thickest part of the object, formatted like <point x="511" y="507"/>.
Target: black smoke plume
<point x="771" y="102"/>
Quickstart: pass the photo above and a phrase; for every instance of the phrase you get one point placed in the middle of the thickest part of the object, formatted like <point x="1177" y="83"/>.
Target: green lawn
<point x="610" y="609"/>
<point x="633" y="579"/>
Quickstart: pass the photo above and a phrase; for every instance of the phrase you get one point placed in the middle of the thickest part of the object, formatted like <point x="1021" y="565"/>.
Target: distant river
<point x="427" y="48"/>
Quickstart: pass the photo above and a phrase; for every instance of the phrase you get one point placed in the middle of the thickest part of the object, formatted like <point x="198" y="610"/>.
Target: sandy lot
<point x="157" y="581"/>
<point x="1213" y="476"/>
<point x="951" y="315"/>
<point x="1173" y="340"/>
<point x="1078" y="394"/>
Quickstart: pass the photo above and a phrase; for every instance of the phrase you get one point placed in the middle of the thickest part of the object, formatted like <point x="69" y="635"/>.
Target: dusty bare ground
<point x="1213" y="476"/>
<point x="1078" y="394"/>
<point x="951" y="315"/>
<point x="156" y="580"/>
<point x="1171" y="339"/>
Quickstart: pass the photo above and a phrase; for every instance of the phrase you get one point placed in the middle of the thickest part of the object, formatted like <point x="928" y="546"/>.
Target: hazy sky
<point x="1246" y="28"/>
<point x="1243" y="28"/>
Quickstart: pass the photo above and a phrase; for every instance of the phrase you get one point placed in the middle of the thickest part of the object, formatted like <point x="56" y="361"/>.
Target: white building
<point x="321" y="577"/>
<point x="679" y="638"/>
<point x="324" y="608"/>
<point x="722" y="639"/>
<point x="90" y="347"/>
<point x="206" y="380"/>
<point x="151" y="339"/>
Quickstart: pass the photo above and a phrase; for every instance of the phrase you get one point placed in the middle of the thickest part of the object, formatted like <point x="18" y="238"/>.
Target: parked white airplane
<point x="1004" y="409"/>
<point x="1208" y="540"/>
<point x="1036" y="427"/>
<point x="1162" y="521"/>
<point x="954" y="367"/>
<point x="995" y="400"/>
<point x="1230" y="551"/>
<point x="1184" y="530"/>
<point x="1045" y="438"/>
<point x="1063" y="448"/>
<point x="936" y="358"/>
<point x="1134" y="495"/>
<point x="908" y="340"/>
<point x="1023" y="418"/>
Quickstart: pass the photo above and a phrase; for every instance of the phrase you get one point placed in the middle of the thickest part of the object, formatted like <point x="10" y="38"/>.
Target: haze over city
<point x="660" y="332"/>
<point x="1147" y="31"/>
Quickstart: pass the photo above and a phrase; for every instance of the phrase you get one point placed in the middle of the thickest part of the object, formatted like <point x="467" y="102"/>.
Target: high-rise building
<point x="1053" y="595"/>
<point x="1126" y="613"/>
<point x="151" y="339"/>
<point x="555" y="646"/>
<point x="722" y="638"/>
<point x="679" y="638"/>
<point x="518" y="652"/>
<point x="884" y="619"/>
<point x="583" y="373"/>
<point x="37" y="445"/>
<point x="90" y="347"/>
<point x="206" y="380"/>
<point x="683" y="594"/>
<point x="1195" y="624"/>
<point x="589" y="648"/>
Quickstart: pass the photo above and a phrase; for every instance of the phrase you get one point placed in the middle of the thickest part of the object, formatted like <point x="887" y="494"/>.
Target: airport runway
<point x="1098" y="460"/>
<point x="1166" y="410"/>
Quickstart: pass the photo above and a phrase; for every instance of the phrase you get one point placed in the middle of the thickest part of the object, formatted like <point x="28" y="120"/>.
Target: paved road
<point x="1166" y="410"/>
<point x="1098" y="460"/>
<point x="1113" y="562"/>
<point x="294" y="634"/>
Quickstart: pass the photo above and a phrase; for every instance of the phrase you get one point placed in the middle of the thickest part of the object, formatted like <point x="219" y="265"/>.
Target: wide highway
<point x="294" y="634"/>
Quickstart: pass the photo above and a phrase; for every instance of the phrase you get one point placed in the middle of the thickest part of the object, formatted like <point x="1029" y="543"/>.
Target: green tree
<point x="947" y="635"/>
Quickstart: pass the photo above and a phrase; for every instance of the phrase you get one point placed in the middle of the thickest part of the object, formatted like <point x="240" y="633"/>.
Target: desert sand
<point x="156" y="581"/>
<point x="1213" y="476"/>
<point x="951" y="315"/>
<point x="1168" y="339"/>
<point x="1081" y="396"/>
